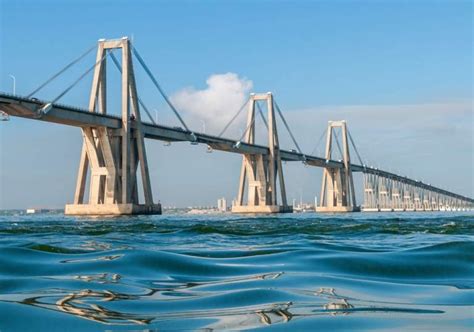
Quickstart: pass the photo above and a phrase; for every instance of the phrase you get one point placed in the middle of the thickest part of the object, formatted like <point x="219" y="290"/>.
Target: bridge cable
<point x="319" y="141"/>
<point x="253" y="120"/>
<point x="248" y="126"/>
<point x="157" y="85"/>
<point x="117" y="64"/>
<point x="287" y="127"/>
<point x="79" y="79"/>
<point x="233" y="118"/>
<point x="336" y="136"/>
<point x="355" y="148"/>
<point x="61" y="71"/>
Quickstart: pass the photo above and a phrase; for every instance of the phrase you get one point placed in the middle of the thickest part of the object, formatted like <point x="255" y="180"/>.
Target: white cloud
<point x="216" y="104"/>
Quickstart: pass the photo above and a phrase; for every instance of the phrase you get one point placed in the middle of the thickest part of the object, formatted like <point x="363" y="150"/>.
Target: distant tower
<point x="337" y="189"/>
<point x="222" y="204"/>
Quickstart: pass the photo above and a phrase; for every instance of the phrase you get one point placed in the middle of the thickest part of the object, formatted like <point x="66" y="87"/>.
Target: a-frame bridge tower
<point x="110" y="157"/>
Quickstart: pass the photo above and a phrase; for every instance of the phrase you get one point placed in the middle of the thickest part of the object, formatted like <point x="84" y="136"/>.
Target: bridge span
<point x="113" y="149"/>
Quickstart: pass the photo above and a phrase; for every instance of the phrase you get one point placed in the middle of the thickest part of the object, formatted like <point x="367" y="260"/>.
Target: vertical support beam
<point x="125" y="125"/>
<point x="249" y="138"/>
<point x="81" y="177"/>
<point x="337" y="188"/>
<point x="259" y="173"/>
<point x="240" y="195"/>
<point x="84" y="161"/>
<point x="271" y="148"/>
<point x="140" y="142"/>
<point x="349" y="181"/>
<point x="277" y="158"/>
<point x="328" y="181"/>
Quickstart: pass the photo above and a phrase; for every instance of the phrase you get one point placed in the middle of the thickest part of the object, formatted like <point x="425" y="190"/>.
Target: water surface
<point x="363" y="271"/>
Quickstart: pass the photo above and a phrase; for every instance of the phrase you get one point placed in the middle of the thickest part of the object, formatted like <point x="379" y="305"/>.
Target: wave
<point x="238" y="273"/>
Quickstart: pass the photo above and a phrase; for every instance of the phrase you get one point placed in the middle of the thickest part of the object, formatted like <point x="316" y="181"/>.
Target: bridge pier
<point x="259" y="173"/>
<point x="397" y="202"/>
<point x="113" y="155"/>
<point x="370" y="193"/>
<point x="385" y="201"/>
<point x="435" y="202"/>
<point x="408" y="202"/>
<point x="337" y="189"/>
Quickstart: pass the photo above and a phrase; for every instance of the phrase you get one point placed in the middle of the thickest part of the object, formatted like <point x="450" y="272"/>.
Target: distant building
<point x="222" y="204"/>
<point x="32" y="211"/>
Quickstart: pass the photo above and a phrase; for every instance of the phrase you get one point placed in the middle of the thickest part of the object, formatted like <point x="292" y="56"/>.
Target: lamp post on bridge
<point x="14" y="83"/>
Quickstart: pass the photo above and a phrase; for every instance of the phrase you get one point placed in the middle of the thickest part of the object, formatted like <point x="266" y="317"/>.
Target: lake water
<point x="293" y="272"/>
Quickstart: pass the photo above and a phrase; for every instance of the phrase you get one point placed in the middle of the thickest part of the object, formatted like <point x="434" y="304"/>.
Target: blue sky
<point x="410" y="62"/>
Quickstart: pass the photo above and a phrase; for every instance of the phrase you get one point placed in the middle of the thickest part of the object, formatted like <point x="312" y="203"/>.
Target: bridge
<point x="113" y="151"/>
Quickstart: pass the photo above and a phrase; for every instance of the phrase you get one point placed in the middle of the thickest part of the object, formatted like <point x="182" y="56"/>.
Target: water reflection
<point x="96" y="245"/>
<point x="75" y="304"/>
<point x="339" y="307"/>
<point x="177" y="285"/>
<point x="100" y="258"/>
<point x="326" y="291"/>
<point x="92" y="305"/>
<point x="78" y="304"/>
<point x="102" y="278"/>
<point x="275" y="315"/>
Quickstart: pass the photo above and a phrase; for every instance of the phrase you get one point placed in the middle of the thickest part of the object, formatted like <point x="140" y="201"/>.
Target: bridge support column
<point x="418" y="199"/>
<point x="426" y="200"/>
<point x="435" y="202"/>
<point x="397" y="204"/>
<point x="259" y="173"/>
<point x="408" y="197"/>
<point x="385" y="194"/>
<point x="113" y="156"/>
<point x="442" y="202"/>
<point x="370" y="193"/>
<point x="337" y="189"/>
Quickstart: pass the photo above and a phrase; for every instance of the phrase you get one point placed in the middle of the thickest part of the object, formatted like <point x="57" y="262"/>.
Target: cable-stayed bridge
<point x="114" y="150"/>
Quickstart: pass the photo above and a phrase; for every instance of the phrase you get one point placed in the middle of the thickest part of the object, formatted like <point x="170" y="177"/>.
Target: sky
<point x="400" y="72"/>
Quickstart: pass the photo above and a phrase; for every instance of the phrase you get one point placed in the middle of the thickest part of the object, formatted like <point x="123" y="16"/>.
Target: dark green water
<point x="289" y="272"/>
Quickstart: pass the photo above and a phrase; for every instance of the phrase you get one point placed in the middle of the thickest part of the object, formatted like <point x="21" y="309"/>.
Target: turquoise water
<point x="289" y="272"/>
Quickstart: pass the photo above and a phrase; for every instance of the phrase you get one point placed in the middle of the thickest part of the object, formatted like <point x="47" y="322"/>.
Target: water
<point x="288" y="272"/>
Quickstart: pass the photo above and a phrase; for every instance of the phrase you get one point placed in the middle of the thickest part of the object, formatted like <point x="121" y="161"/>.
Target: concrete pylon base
<point x="334" y="209"/>
<point x="262" y="209"/>
<point x="370" y="210"/>
<point x="111" y="209"/>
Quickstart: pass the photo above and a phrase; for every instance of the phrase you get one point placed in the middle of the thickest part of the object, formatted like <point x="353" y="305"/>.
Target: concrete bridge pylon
<point x="110" y="158"/>
<point x="337" y="188"/>
<point x="260" y="173"/>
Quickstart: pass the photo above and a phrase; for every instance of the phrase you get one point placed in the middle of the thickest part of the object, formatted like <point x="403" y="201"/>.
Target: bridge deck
<point x="67" y="115"/>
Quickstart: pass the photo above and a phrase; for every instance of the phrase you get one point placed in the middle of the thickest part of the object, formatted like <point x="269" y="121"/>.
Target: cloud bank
<point x="216" y="104"/>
